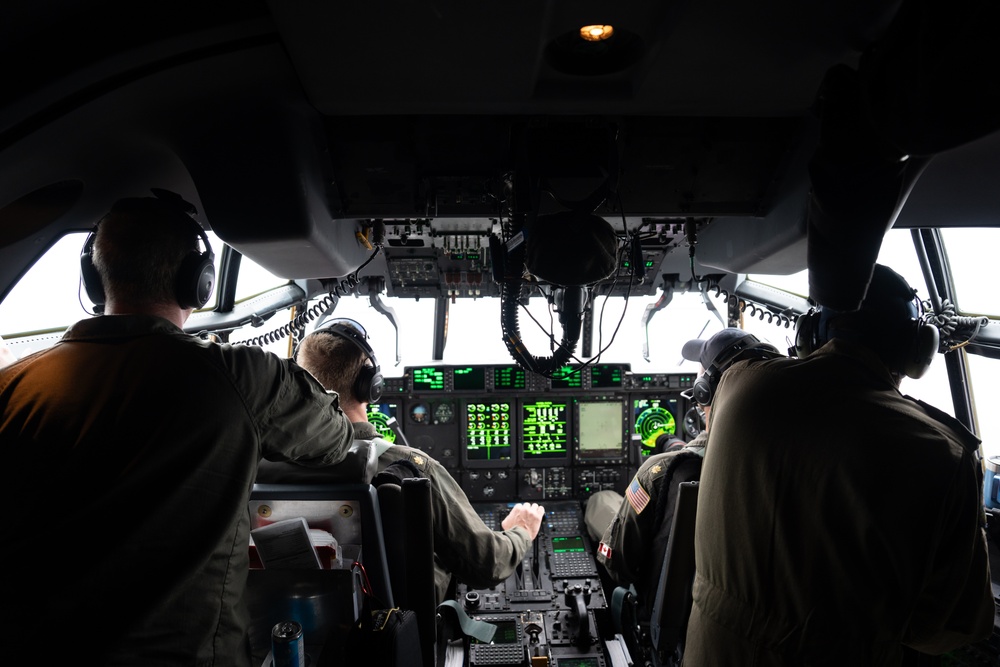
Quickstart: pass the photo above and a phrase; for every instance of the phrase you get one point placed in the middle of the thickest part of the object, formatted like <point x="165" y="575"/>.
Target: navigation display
<point x="654" y="416"/>
<point x="488" y="431"/>
<point x="379" y="415"/>
<point x="544" y="430"/>
<point x="599" y="429"/>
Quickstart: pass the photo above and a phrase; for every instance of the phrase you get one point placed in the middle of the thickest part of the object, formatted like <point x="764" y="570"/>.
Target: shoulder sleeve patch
<point x="637" y="496"/>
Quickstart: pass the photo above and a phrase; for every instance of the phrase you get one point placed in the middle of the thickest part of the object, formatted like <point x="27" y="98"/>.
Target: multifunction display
<point x="654" y="417"/>
<point x="508" y="378"/>
<point x="544" y="429"/>
<point x="488" y="431"/>
<point x="379" y="415"/>
<point x="607" y="376"/>
<point x="567" y="377"/>
<point x="470" y="378"/>
<point x="429" y="378"/>
<point x="599" y="429"/>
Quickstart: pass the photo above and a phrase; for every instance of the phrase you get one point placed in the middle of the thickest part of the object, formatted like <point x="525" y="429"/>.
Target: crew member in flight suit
<point x="633" y="546"/>
<point x="817" y="544"/>
<point x="133" y="447"/>
<point x="339" y="356"/>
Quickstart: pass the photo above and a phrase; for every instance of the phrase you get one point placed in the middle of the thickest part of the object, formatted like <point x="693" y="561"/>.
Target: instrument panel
<point x="507" y="434"/>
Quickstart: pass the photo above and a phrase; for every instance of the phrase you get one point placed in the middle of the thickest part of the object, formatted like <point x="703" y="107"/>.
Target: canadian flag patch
<point x="604" y="550"/>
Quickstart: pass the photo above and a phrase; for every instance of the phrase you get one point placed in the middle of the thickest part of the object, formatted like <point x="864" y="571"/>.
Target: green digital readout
<point x="567" y="377"/>
<point x="428" y="379"/>
<point x="506" y="632"/>
<point x="488" y="431"/>
<point x="577" y="662"/>
<point x="654" y="417"/>
<point x="606" y="376"/>
<point x="508" y="378"/>
<point x="379" y="415"/>
<point x="561" y="545"/>
<point x="543" y="429"/>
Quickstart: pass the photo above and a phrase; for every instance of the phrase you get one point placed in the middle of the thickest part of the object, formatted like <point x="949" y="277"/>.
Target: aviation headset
<point x="368" y="385"/>
<point x="904" y="340"/>
<point x="748" y="347"/>
<point x="196" y="274"/>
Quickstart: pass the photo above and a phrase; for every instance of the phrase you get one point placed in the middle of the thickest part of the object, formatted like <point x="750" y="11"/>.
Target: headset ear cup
<point x="368" y="385"/>
<point x="88" y="273"/>
<point x="375" y="389"/>
<point x="701" y="391"/>
<point x="195" y="280"/>
<point x="926" y="340"/>
<point x="806" y="334"/>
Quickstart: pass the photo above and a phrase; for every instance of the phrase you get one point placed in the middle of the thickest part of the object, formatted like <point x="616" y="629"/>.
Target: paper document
<point x="286" y="545"/>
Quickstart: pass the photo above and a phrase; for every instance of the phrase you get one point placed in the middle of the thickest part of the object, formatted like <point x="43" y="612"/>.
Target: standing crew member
<point x="131" y="448"/>
<point x="818" y="546"/>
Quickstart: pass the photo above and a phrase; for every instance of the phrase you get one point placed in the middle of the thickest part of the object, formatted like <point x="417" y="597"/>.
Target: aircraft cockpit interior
<point x="528" y="209"/>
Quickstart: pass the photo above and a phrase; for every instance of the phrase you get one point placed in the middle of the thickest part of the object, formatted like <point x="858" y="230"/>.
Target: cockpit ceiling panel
<point x="716" y="57"/>
<point x="448" y="166"/>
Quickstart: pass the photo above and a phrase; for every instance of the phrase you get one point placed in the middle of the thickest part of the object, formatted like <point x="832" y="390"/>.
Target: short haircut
<point x="139" y="246"/>
<point x="333" y="360"/>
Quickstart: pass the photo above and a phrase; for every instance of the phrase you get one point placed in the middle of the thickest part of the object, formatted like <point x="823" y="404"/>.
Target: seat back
<point x="672" y="605"/>
<point x="409" y="537"/>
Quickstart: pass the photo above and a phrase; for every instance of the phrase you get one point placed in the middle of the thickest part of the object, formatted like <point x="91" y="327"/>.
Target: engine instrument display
<point x="488" y="431"/>
<point x="544" y="429"/>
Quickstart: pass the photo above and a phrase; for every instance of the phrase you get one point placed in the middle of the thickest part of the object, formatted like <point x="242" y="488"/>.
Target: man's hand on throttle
<point x="527" y="516"/>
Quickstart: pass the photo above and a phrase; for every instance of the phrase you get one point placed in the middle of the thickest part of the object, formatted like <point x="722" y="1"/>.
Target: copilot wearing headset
<point x="339" y="355"/>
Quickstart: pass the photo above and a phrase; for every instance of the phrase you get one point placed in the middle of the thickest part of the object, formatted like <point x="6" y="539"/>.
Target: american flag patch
<point x="604" y="550"/>
<point x="637" y="496"/>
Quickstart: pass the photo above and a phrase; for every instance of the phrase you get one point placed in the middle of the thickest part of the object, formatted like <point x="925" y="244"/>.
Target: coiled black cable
<point x="956" y="330"/>
<point x="345" y="287"/>
<point x="761" y="311"/>
<point x="298" y="323"/>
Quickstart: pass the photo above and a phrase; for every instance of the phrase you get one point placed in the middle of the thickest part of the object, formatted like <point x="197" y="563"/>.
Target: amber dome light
<point x="596" y="33"/>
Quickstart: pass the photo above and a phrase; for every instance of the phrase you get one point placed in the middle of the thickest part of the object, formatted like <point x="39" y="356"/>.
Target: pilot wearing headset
<point x="339" y="356"/>
<point x="853" y="526"/>
<point x="137" y="443"/>
<point x="633" y="546"/>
